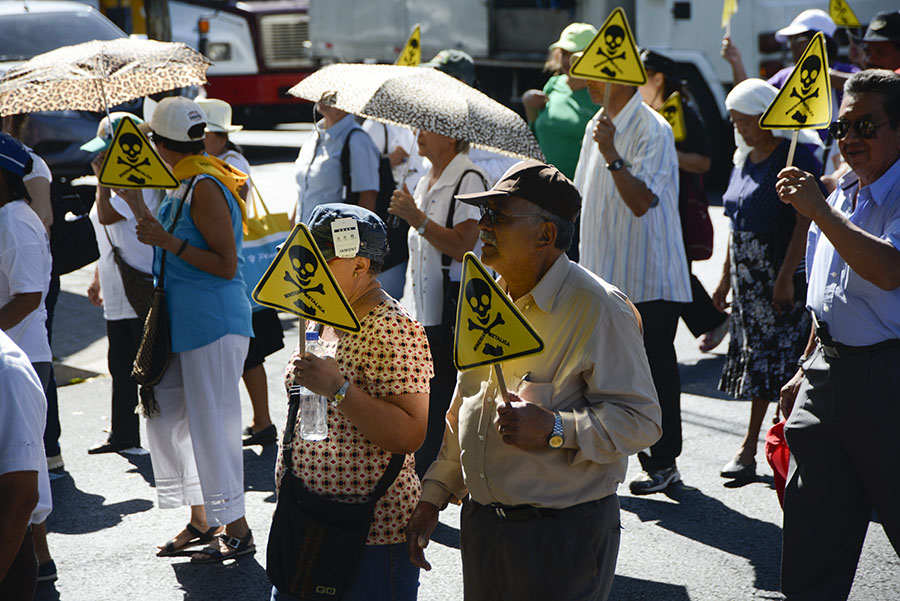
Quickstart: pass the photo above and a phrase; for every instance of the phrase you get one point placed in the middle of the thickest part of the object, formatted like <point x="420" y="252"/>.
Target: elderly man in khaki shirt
<point x="538" y="475"/>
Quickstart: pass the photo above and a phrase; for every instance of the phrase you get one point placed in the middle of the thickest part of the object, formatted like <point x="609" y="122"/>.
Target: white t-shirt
<point x="399" y="137"/>
<point x="25" y="266"/>
<point x="39" y="168"/>
<point x="135" y="253"/>
<point x="23" y="414"/>
<point x="424" y="288"/>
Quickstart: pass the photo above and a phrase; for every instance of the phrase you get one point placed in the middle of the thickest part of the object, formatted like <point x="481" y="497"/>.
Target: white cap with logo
<point x="179" y="119"/>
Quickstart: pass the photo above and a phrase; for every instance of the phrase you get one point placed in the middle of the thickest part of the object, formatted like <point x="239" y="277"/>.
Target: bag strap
<point x="384" y="483"/>
<point x="162" y="266"/>
<point x="446" y="259"/>
<point x="345" y="167"/>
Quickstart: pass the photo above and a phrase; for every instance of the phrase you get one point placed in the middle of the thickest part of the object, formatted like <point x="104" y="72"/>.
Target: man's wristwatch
<point x="616" y="165"/>
<point x="421" y="228"/>
<point x="338" y="397"/>
<point x="555" y="440"/>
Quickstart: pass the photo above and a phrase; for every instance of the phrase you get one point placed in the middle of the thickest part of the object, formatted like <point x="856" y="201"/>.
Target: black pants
<point x="124" y="337"/>
<point x="21" y="578"/>
<point x="570" y="554"/>
<point x="844" y="457"/>
<point x="53" y="430"/>
<point x="442" y="386"/>
<point x="660" y="322"/>
<point x="700" y="315"/>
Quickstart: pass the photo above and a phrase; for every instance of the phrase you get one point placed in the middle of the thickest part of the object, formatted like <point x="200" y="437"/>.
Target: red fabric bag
<point x="779" y="457"/>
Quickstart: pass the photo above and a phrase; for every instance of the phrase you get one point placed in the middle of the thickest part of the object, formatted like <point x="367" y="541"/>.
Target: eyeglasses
<point x="863" y="127"/>
<point x="498" y="218"/>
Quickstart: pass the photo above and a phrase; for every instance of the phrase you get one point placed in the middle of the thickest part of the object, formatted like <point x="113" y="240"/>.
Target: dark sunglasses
<point x="497" y="217"/>
<point x="863" y="127"/>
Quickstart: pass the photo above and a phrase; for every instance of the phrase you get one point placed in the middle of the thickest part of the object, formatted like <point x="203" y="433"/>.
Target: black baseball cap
<point x="372" y="231"/>
<point x="884" y="27"/>
<point x="536" y="182"/>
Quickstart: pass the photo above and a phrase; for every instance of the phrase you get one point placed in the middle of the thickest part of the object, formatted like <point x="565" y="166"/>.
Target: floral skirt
<point x="764" y="348"/>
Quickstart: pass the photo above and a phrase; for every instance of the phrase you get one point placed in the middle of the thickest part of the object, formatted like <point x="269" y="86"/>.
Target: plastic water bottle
<point x="313" y="407"/>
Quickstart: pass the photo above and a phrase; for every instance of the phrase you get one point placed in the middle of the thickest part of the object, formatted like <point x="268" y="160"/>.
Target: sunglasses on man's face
<point x="864" y="128"/>
<point x="498" y="218"/>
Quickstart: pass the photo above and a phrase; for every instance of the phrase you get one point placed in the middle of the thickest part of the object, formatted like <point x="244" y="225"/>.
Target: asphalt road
<point x="703" y="540"/>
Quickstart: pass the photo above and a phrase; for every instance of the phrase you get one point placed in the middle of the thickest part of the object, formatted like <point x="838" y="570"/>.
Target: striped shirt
<point x="642" y="256"/>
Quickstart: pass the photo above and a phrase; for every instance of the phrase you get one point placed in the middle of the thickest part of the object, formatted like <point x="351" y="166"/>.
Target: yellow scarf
<point x="230" y="177"/>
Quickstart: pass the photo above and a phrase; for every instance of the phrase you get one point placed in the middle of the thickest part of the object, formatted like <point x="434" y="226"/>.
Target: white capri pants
<point x="195" y="440"/>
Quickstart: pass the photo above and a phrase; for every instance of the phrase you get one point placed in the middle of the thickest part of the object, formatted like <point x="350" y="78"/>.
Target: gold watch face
<point x="556" y="441"/>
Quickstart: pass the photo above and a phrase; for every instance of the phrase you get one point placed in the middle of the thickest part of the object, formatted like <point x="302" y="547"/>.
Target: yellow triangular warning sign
<point x="299" y="281"/>
<point x="842" y="14"/>
<point x="411" y="55"/>
<point x="132" y="161"/>
<point x="674" y="114"/>
<point x="805" y="99"/>
<point x="489" y="327"/>
<point x="612" y="55"/>
<point x="729" y="7"/>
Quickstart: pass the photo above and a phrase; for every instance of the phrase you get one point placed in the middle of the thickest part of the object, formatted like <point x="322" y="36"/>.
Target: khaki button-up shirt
<point x="593" y="370"/>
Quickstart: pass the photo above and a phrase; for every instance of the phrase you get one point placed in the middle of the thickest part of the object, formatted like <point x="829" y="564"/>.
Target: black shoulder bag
<point x="398" y="249"/>
<point x="315" y="544"/>
<point x="450" y="299"/>
<point x="155" y="351"/>
<point x="137" y="284"/>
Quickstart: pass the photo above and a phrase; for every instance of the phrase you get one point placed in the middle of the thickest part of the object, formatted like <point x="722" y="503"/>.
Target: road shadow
<point x="702" y="378"/>
<point x="241" y="578"/>
<point x="446" y="535"/>
<point x="78" y="512"/>
<point x="142" y="465"/>
<point x="259" y="469"/>
<point x="635" y="589"/>
<point x="711" y="522"/>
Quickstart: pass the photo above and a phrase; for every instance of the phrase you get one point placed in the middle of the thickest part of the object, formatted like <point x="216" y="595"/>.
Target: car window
<point x="30" y="34"/>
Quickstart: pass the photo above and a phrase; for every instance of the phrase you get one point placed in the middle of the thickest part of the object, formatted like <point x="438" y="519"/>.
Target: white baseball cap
<point x="179" y="119"/>
<point x="218" y="115"/>
<point x="812" y="19"/>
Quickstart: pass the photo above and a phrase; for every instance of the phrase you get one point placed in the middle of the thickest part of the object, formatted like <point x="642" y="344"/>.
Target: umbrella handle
<point x="393" y="220"/>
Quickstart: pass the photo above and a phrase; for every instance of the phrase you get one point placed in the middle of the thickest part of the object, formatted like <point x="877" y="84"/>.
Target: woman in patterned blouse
<point x="384" y="411"/>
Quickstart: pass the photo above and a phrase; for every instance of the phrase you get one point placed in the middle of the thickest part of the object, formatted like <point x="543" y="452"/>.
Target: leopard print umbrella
<point x="95" y="75"/>
<point x="421" y="98"/>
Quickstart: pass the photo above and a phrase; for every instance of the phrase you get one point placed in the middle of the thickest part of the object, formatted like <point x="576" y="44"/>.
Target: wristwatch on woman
<point x="338" y="397"/>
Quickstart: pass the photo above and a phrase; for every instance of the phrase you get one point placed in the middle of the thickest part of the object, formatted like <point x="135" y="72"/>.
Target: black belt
<point x="520" y="513"/>
<point x="836" y="350"/>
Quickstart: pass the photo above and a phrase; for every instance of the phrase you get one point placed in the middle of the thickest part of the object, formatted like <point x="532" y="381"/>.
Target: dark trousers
<point x="124" y="337"/>
<point x="53" y="430"/>
<point x="442" y="385"/>
<point x="21" y="578"/>
<point x="700" y="315"/>
<point x="569" y="554"/>
<point x="660" y="320"/>
<point x="844" y="456"/>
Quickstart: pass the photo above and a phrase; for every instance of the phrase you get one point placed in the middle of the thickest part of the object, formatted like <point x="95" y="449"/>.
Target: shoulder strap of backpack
<point x="445" y="259"/>
<point x="349" y="196"/>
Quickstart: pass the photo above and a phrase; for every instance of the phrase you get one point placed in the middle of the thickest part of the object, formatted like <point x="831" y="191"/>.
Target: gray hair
<point x="565" y="229"/>
<point x="878" y="81"/>
<point x="462" y="147"/>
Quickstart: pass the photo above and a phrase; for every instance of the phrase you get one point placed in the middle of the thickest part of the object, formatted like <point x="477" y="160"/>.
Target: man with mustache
<point x="538" y="475"/>
<point x="842" y="427"/>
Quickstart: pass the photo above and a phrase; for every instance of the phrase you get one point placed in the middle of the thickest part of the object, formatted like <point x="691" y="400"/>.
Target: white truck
<point x="508" y="40"/>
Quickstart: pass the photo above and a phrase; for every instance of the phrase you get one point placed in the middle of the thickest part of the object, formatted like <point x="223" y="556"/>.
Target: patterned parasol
<point x="95" y="75"/>
<point x="422" y="98"/>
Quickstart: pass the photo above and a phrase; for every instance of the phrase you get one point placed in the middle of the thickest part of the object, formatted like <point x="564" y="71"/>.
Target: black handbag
<point x="155" y="351"/>
<point x="73" y="243"/>
<point x="450" y="298"/>
<point x="137" y="284"/>
<point x="315" y="544"/>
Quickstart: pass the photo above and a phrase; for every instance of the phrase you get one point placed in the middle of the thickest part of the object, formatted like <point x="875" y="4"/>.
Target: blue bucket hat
<point x="372" y="232"/>
<point x="14" y="156"/>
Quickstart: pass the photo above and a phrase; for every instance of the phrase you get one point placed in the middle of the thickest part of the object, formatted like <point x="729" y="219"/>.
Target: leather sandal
<point x="198" y="538"/>
<point x="236" y="547"/>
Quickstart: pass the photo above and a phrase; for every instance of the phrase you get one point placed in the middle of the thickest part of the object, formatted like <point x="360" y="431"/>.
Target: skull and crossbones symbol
<point x="671" y="114"/>
<point x="132" y="145"/>
<point x="809" y="73"/>
<point x="478" y="295"/>
<point x="305" y="264"/>
<point x="614" y="37"/>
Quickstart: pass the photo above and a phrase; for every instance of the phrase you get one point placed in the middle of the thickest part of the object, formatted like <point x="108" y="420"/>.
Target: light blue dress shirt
<point x="318" y="164"/>
<point x="858" y="312"/>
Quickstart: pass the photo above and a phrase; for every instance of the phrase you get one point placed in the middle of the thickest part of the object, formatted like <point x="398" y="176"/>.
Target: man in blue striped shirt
<point x="631" y="237"/>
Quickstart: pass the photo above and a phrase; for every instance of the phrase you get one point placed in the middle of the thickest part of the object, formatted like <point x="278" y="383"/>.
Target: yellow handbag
<point x="265" y="232"/>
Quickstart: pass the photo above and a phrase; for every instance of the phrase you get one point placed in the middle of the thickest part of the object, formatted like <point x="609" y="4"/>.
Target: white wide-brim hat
<point x="218" y="115"/>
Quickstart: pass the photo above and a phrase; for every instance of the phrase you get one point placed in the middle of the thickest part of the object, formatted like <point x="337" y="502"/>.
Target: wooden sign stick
<point x="794" y="138"/>
<point x="501" y="383"/>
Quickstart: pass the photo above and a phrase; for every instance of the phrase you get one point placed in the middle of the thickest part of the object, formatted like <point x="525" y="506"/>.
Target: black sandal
<point x="198" y="538"/>
<point x="236" y="548"/>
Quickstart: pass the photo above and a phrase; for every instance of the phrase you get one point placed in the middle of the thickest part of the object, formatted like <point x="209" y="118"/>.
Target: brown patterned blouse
<point x="388" y="356"/>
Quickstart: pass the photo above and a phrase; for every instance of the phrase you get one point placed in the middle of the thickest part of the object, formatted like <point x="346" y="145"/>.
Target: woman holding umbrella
<point x="194" y="433"/>
<point x="442" y="231"/>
